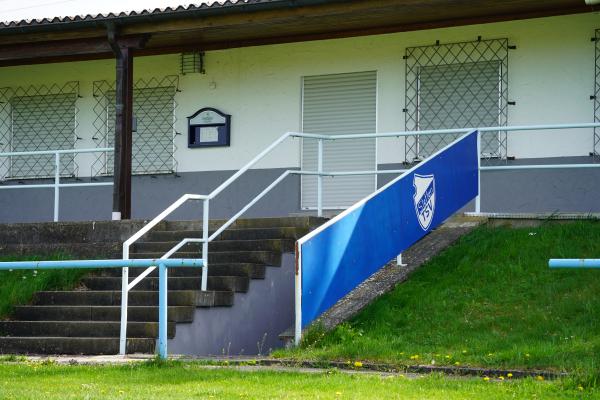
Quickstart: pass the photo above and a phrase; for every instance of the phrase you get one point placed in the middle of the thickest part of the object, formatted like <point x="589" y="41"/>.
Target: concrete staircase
<point x="86" y="320"/>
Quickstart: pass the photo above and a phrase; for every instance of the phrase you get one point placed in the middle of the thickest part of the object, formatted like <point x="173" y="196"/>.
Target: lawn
<point x="17" y="287"/>
<point x="193" y="381"/>
<point x="490" y="300"/>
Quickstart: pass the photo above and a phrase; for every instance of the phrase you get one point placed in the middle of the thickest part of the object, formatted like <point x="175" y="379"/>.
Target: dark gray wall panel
<point x="152" y="194"/>
<point x="551" y="190"/>
<point x="531" y="191"/>
<point x="251" y="326"/>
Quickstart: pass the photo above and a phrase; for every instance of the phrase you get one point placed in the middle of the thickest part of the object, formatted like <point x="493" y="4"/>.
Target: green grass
<point x="193" y="381"/>
<point x="490" y="301"/>
<point x="17" y="287"/>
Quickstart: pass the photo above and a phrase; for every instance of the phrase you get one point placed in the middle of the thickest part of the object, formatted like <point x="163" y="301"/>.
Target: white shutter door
<point x="339" y="104"/>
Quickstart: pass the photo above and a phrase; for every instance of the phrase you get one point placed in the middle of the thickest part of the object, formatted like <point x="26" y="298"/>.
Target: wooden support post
<point x="123" y="138"/>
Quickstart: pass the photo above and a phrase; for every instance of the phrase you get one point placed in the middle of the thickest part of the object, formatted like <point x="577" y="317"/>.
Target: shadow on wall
<point x="251" y="326"/>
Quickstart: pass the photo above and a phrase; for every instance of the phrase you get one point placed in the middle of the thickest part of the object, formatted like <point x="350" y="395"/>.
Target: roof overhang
<point x="255" y="22"/>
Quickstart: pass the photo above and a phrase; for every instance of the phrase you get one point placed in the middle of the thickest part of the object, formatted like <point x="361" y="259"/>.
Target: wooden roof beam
<point x="90" y="47"/>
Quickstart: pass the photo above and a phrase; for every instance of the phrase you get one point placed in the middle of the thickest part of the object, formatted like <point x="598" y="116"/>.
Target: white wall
<point x="551" y="75"/>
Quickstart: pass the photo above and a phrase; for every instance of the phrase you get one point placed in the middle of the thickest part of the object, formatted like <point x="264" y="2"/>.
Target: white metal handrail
<point x="56" y="184"/>
<point x="206" y="238"/>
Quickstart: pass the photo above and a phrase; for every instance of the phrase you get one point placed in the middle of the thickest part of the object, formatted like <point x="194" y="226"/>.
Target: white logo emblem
<point x="424" y="199"/>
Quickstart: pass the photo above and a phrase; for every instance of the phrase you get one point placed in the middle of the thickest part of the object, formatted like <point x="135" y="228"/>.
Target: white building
<point x="304" y="66"/>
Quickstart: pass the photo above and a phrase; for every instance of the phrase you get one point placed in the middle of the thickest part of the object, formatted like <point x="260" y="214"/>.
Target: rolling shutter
<point x="43" y="122"/>
<point x="458" y="96"/>
<point x="339" y="104"/>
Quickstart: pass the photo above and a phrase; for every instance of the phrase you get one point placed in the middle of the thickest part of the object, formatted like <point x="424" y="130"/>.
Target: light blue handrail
<point x="574" y="263"/>
<point x="163" y="264"/>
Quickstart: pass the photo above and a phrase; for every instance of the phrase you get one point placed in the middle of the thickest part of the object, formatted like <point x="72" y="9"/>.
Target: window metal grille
<point x="192" y="62"/>
<point x="153" y="144"/>
<point x="35" y="118"/>
<point x="597" y="95"/>
<point x="456" y="85"/>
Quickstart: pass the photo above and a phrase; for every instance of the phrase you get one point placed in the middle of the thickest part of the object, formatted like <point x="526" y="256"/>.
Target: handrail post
<point x="124" y="302"/>
<point x="205" y="225"/>
<point x="56" y="185"/>
<point x="478" y="198"/>
<point x="320" y="178"/>
<point x="162" y="311"/>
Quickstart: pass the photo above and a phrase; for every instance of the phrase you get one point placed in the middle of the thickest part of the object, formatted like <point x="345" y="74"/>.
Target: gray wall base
<point x="251" y="326"/>
<point x="152" y="194"/>
<point x="529" y="191"/>
<point x="534" y="191"/>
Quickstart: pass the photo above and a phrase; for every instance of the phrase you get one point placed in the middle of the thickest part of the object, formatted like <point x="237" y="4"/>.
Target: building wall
<point x="551" y="76"/>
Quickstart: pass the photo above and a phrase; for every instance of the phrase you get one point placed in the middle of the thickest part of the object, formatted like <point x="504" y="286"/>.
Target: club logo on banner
<point x="424" y="199"/>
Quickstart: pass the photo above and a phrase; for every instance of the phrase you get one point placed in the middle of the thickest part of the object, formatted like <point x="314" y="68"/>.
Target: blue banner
<point x="344" y="252"/>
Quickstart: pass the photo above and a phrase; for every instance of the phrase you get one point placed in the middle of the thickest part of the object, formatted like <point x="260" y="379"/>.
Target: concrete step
<point x="82" y="329"/>
<point x="78" y="250"/>
<point x="100" y="313"/>
<point x="286" y="232"/>
<point x="73" y="345"/>
<point x="304" y="222"/>
<point x="219" y="283"/>
<point x="280" y="245"/>
<point x="252" y="271"/>
<point x="136" y="298"/>
<point x="118" y="231"/>
<point x="225" y="257"/>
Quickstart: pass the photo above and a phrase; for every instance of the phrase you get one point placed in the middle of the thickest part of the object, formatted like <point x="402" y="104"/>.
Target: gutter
<point x="203" y="11"/>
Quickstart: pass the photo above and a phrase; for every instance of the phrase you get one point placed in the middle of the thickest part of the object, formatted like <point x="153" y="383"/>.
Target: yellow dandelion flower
<point x="539" y="378"/>
<point x="580" y="388"/>
<point x="357" y="364"/>
<point x="509" y="375"/>
<point x="457" y="363"/>
<point x="338" y="393"/>
<point x="501" y="377"/>
<point x="486" y="378"/>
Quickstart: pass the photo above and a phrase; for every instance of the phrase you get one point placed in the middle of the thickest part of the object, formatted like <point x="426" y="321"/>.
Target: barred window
<point x="153" y="139"/>
<point x="456" y="85"/>
<point x="36" y="118"/>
